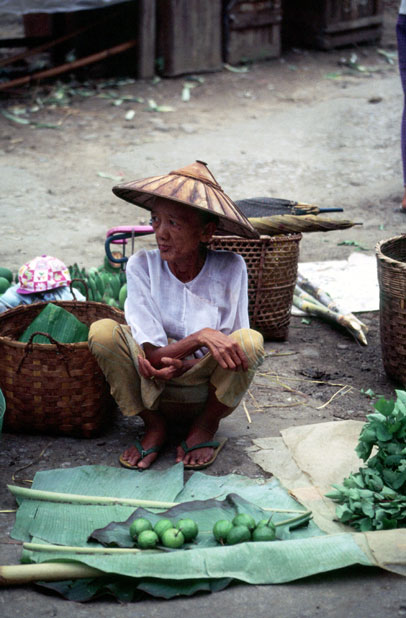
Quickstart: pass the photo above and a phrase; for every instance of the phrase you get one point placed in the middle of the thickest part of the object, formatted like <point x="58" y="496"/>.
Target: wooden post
<point x="146" y="39"/>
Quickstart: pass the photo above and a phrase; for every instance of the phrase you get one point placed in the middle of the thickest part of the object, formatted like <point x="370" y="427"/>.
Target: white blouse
<point x="402" y="9"/>
<point x="160" y="307"/>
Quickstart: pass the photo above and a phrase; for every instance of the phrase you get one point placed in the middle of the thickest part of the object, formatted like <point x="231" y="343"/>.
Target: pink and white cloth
<point x="41" y="274"/>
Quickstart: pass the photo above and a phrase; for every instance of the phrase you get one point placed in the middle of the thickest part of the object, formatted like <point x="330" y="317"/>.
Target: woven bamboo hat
<point x="194" y="186"/>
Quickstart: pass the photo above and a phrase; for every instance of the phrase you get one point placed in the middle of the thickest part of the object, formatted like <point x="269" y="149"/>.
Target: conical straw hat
<point x="195" y="186"/>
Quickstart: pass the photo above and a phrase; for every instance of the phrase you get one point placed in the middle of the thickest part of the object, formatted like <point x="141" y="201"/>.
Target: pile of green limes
<point x="165" y="532"/>
<point x="243" y="527"/>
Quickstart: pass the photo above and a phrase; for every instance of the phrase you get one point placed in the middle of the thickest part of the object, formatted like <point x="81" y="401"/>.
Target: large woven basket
<point x="272" y="272"/>
<point x="391" y="258"/>
<point x="53" y="388"/>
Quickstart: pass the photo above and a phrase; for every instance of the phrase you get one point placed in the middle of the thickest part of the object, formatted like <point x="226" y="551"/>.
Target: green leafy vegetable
<point x="374" y="498"/>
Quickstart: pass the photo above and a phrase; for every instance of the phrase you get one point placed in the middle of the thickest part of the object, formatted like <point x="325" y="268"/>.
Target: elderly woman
<point x="187" y="355"/>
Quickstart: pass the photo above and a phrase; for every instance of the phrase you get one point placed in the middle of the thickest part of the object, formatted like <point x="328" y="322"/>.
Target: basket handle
<point x="29" y="349"/>
<point x="86" y="288"/>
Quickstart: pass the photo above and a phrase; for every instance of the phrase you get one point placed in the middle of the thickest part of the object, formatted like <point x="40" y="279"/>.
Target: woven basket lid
<point x="195" y="186"/>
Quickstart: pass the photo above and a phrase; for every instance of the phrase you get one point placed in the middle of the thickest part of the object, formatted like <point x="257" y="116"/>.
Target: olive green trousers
<point x="117" y="355"/>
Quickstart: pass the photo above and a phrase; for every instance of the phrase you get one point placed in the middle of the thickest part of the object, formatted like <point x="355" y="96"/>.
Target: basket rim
<point x="48" y="346"/>
<point x="385" y="258"/>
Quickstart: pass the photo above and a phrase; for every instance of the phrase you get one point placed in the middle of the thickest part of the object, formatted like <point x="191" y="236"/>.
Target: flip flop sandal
<point x="142" y="452"/>
<point x="217" y="448"/>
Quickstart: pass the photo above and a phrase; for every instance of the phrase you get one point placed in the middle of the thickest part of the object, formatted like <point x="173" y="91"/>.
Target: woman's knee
<point x="101" y="332"/>
<point x="252" y="342"/>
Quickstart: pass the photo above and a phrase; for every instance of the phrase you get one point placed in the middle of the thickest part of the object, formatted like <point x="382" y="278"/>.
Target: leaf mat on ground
<point x="60" y="324"/>
<point x="169" y="573"/>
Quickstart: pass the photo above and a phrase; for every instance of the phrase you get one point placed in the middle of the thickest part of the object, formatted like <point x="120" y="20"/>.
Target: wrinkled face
<point x="179" y="231"/>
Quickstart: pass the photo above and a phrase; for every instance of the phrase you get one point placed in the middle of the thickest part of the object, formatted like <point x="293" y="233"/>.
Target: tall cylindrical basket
<point x="391" y="258"/>
<point x="272" y="263"/>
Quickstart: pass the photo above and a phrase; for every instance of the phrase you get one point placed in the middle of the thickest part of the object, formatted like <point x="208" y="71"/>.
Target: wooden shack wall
<point x="189" y="36"/>
<point x="251" y="30"/>
<point x="326" y="24"/>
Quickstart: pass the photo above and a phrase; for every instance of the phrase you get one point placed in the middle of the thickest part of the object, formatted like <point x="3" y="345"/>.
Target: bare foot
<point x="154" y="437"/>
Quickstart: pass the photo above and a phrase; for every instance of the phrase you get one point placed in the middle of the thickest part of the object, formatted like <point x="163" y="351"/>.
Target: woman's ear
<point x="208" y="231"/>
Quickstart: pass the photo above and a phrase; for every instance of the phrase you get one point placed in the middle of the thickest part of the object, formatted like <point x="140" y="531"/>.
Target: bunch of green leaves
<point x="374" y="498"/>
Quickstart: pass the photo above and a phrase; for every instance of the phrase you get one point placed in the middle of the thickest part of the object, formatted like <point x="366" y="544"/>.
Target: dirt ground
<point x="305" y="127"/>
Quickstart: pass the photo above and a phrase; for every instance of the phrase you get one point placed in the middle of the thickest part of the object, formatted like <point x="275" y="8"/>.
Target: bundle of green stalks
<point x="315" y="302"/>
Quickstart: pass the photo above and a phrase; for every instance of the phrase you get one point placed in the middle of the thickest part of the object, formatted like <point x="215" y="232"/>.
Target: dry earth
<point x="304" y="127"/>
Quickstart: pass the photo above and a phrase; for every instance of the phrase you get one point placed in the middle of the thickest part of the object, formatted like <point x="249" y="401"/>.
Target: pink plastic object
<point x="134" y="230"/>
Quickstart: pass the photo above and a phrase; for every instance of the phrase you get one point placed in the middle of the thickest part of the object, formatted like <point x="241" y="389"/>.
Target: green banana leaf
<point x="60" y="324"/>
<point x="205" y="566"/>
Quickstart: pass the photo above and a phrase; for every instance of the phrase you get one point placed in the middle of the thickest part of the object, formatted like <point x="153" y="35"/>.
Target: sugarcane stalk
<point x="318" y="293"/>
<point x="326" y="300"/>
<point x="51" y="496"/>
<point x="45" y="571"/>
<point x="308" y="298"/>
<point x="317" y="309"/>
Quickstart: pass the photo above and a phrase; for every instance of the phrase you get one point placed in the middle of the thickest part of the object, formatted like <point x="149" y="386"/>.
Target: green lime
<point x="162" y="525"/>
<point x="266" y="522"/>
<point x="243" y="519"/>
<point x="221" y="528"/>
<point x="147" y="539"/>
<point x="238" y="534"/>
<point x="188" y="527"/>
<point x="173" y="538"/>
<point x="263" y="533"/>
<point x="139" y="525"/>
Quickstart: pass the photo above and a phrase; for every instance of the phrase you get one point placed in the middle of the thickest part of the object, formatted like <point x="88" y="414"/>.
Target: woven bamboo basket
<point x="53" y="388"/>
<point x="272" y="271"/>
<point x="391" y="258"/>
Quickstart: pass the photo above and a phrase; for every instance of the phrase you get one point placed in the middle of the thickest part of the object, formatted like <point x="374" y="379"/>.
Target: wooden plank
<point x="354" y="24"/>
<point x="254" y="44"/>
<point x="331" y="23"/>
<point x="341" y="39"/>
<point x="146" y="37"/>
<point x="189" y="36"/>
<point x="255" y="20"/>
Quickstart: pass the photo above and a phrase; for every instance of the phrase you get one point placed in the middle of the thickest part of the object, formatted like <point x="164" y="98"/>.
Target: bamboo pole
<point x="70" y="66"/>
<point x="46" y="571"/>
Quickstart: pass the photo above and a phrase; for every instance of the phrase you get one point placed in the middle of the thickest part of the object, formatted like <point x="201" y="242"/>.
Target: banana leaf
<point x="60" y="324"/>
<point x="205" y="567"/>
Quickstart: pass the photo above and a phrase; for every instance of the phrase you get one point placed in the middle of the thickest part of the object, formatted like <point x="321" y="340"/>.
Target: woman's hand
<point x="227" y="352"/>
<point x="173" y="368"/>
